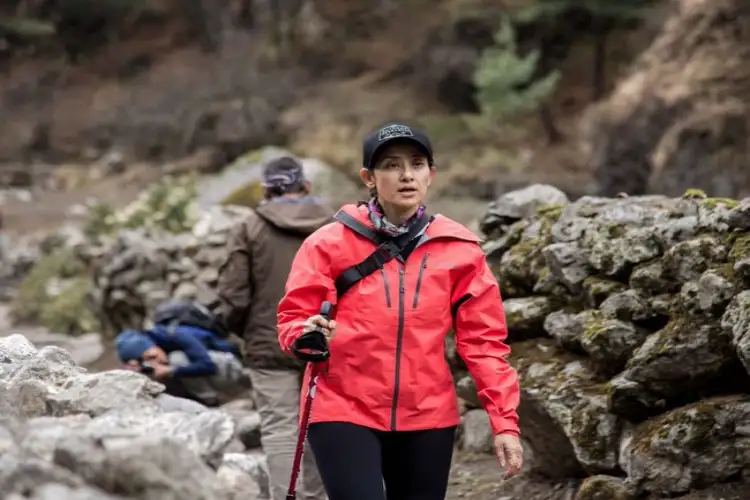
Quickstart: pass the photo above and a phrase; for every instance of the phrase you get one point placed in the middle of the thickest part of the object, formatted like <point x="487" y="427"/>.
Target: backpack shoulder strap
<point x="357" y="226"/>
<point x="387" y="250"/>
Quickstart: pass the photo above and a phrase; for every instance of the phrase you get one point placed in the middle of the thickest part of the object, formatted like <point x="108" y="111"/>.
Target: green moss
<point x="32" y="295"/>
<point x="597" y="289"/>
<point x="692" y="194"/>
<point x="594" y="325"/>
<point x="666" y="339"/>
<point x="740" y="248"/>
<point x="584" y="427"/>
<point x="603" y="488"/>
<point x="553" y="211"/>
<point x="67" y="312"/>
<point x="253" y="156"/>
<point x="695" y="425"/>
<point x="715" y="202"/>
<point x="248" y="195"/>
<point x="725" y="270"/>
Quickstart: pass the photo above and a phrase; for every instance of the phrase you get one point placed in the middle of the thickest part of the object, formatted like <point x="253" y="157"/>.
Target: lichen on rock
<point x="563" y="407"/>
<point x="690" y="447"/>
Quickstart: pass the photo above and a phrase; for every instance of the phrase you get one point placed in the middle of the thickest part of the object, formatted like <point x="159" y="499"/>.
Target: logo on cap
<point x="392" y="131"/>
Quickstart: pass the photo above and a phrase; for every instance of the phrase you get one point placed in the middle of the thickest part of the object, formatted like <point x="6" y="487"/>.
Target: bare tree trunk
<point x="545" y="113"/>
<point x="206" y="22"/>
<point x="599" y="84"/>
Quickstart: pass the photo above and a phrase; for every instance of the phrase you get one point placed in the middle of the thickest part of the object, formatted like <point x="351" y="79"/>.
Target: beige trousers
<point x="277" y="397"/>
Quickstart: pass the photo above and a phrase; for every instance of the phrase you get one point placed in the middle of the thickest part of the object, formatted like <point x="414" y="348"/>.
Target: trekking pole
<point x="312" y="348"/>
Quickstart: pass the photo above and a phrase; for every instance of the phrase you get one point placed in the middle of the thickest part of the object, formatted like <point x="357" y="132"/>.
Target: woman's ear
<point x="368" y="178"/>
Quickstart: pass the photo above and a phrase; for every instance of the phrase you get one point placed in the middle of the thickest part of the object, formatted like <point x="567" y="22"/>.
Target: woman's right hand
<point x="318" y="322"/>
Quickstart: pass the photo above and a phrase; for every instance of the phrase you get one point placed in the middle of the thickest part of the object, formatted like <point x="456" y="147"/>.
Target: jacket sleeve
<point x="235" y="288"/>
<point x="309" y="284"/>
<point x="200" y="362"/>
<point x="480" y="330"/>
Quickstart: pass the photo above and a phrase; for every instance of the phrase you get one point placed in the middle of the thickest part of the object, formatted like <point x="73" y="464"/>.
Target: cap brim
<point x="396" y="140"/>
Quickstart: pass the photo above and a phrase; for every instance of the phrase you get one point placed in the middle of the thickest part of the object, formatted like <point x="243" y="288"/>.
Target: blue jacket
<point x="195" y="343"/>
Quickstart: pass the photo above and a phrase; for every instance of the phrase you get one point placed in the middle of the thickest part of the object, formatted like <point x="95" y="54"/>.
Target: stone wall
<point x="628" y="321"/>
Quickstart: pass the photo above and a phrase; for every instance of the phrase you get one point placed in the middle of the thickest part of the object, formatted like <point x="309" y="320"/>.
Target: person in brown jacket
<point x="261" y="249"/>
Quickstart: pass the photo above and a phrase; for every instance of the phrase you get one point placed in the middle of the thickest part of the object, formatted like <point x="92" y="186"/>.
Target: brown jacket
<point x="260" y="252"/>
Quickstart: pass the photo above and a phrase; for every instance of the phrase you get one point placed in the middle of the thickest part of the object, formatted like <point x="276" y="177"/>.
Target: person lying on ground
<point x="385" y="410"/>
<point x="193" y="359"/>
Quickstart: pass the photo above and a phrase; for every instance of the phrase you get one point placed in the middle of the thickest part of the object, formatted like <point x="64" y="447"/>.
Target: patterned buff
<point x="384" y="226"/>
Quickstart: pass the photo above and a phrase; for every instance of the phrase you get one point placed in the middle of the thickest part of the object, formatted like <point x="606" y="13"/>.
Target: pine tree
<point x="605" y="15"/>
<point x="505" y="80"/>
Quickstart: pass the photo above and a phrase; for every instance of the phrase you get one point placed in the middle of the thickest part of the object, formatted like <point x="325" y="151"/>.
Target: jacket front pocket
<point x="422" y="268"/>
<point x="386" y="288"/>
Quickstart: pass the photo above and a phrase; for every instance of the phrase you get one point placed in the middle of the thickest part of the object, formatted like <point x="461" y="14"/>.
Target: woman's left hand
<point x="509" y="453"/>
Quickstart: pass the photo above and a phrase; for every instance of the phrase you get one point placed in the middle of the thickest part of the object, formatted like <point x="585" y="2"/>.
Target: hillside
<point x="150" y="89"/>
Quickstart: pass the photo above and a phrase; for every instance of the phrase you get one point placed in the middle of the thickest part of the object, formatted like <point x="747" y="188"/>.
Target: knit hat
<point x="131" y="345"/>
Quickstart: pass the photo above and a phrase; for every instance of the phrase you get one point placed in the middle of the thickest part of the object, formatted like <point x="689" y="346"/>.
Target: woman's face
<point x="401" y="177"/>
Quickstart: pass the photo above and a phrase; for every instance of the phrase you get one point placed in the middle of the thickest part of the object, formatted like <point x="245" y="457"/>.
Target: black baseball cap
<point x="376" y="142"/>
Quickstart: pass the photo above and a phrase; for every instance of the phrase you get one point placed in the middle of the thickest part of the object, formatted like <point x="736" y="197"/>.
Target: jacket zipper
<point x="419" y="281"/>
<point x="387" y="288"/>
<point x="399" y="342"/>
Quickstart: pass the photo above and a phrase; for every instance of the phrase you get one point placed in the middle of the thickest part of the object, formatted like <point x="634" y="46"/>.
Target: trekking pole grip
<point x="326" y="309"/>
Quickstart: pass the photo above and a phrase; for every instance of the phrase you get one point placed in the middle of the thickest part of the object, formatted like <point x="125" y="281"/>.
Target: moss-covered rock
<point x="563" y="411"/>
<point x="597" y="289"/>
<point x="521" y="266"/>
<point x="710" y="293"/>
<point x="608" y="341"/>
<point x="614" y="249"/>
<point x="539" y="199"/>
<point x="736" y="323"/>
<point x="601" y="487"/>
<point x="628" y="305"/>
<point x="686" y="359"/>
<point x="248" y="195"/>
<point x="567" y="265"/>
<point x="690" y="447"/>
<point x="689" y="259"/>
<point x="650" y="279"/>
<point x="525" y="317"/>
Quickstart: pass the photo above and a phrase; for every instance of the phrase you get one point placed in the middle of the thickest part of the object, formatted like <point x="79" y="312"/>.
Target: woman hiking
<point x="385" y="411"/>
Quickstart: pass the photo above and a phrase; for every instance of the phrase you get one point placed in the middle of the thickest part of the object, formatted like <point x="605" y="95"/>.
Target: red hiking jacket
<point x="387" y="369"/>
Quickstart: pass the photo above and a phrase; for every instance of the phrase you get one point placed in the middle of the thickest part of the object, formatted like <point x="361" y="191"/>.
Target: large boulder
<point x="245" y="173"/>
<point x="67" y="433"/>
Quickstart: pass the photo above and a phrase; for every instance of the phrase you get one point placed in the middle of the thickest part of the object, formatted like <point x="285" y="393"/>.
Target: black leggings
<point x="354" y="461"/>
